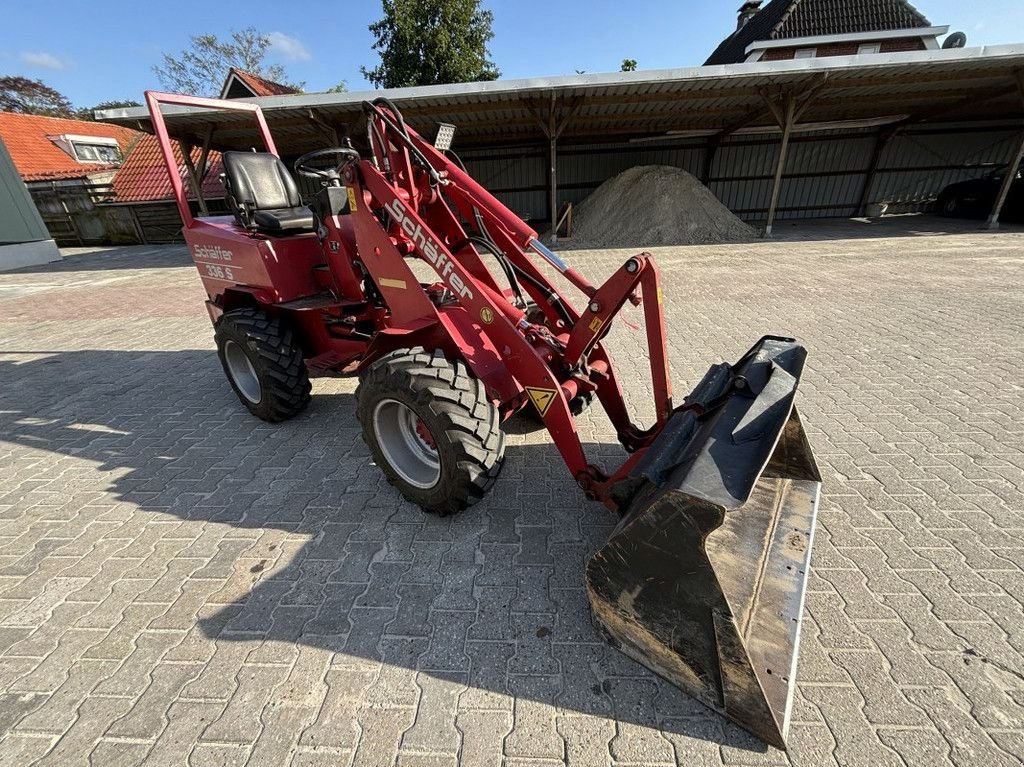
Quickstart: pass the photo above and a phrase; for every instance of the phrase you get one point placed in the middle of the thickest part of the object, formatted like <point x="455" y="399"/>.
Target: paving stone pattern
<point x="183" y="584"/>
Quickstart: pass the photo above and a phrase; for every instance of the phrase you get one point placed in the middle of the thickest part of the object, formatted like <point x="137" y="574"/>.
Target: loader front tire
<point x="431" y="429"/>
<point x="263" y="363"/>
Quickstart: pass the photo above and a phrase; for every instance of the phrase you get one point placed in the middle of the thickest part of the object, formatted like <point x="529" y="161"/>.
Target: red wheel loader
<point x="703" y="578"/>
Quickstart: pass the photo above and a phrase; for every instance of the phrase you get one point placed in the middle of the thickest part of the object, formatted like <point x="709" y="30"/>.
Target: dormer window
<point x="95" y="152"/>
<point x="91" y="150"/>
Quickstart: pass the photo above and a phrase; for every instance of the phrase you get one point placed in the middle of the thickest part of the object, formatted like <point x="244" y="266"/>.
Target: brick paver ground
<point x="183" y="584"/>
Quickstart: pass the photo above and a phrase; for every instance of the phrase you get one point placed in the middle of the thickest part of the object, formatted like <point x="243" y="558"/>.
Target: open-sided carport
<point x="706" y="119"/>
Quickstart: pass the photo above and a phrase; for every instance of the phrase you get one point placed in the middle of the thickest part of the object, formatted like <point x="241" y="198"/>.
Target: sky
<point x="106" y="49"/>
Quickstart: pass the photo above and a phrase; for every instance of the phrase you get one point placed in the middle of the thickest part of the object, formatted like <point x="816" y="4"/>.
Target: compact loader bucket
<point x="703" y="579"/>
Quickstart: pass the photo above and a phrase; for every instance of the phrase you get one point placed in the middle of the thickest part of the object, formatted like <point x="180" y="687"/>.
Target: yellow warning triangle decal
<point x="542" y="398"/>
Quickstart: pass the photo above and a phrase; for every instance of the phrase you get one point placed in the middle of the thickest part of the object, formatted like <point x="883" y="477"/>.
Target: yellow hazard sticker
<point x="387" y="282"/>
<point x="352" y="207"/>
<point x="486" y="315"/>
<point x="541" y="398"/>
<point x="595" y="324"/>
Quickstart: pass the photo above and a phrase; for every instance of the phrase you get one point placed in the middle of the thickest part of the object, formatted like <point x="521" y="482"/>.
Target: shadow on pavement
<point x="492" y="598"/>
<point x="106" y="259"/>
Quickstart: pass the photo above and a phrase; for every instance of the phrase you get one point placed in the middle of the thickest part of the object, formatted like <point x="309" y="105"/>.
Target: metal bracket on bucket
<point x="703" y="580"/>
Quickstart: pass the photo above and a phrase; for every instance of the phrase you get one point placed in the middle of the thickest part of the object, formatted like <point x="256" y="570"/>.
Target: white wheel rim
<point x="242" y="372"/>
<point x="399" y="433"/>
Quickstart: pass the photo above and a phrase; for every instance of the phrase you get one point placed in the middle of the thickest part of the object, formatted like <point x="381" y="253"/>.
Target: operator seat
<point x="263" y="195"/>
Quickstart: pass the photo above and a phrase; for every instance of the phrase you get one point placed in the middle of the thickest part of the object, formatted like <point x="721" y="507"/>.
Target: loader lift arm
<point x="724" y="487"/>
<point x="427" y="196"/>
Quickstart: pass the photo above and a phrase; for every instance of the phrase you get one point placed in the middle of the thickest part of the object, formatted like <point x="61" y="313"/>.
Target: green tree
<point x="430" y="42"/>
<point x="32" y="97"/>
<point x="200" y="69"/>
<point x="341" y="87"/>
<point x="628" y="65"/>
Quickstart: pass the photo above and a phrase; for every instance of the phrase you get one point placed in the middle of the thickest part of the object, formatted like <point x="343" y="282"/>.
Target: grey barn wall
<point x="19" y="220"/>
<point x="825" y="171"/>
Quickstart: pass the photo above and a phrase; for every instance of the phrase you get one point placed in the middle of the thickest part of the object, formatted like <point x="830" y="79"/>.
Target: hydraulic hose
<point x="397" y="124"/>
<point x="506" y="266"/>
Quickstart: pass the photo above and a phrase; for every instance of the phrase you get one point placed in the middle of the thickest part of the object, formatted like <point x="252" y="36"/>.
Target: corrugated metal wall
<point x="825" y="171"/>
<point x="918" y="165"/>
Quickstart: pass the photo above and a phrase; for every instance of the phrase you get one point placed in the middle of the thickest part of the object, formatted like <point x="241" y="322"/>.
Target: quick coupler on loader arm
<point x="703" y="579"/>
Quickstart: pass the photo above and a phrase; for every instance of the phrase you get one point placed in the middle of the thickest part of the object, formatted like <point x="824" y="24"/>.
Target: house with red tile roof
<point x="143" y="176"/>
<point x="799" y="29"/>
<point x="48" y="149"/>
<point x="241" y="84"/>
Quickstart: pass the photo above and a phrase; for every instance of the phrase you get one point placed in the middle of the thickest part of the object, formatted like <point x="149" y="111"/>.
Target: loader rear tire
<point x="263" y="363"/>
<point x="431" y="429"/>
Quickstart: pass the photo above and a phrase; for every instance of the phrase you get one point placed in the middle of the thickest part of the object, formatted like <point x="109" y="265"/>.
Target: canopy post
<point x="1008" y="178"/>
<point x="885" y="135"/>
<point x="553" y="170"/>
<point x="193" y="176"/>
<point x="204" y="153"/>
<point x="786" y="119"/>
<point x="328" y="130"/>
<point x="787" y="112"/>
<point x="1011" y="169"/>
<point x="552" y="127"/>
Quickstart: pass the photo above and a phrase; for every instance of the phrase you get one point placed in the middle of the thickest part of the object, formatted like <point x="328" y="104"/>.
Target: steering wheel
<point x="347" y="154"/>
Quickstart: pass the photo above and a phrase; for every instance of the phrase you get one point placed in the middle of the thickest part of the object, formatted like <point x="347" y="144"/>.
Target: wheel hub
<point x="242" y="373"/>
<point x="407" y="444"/>
<point x="424" y="434"/>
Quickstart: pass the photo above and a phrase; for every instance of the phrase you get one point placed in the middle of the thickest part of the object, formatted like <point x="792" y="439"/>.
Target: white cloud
<point x="289" y="47"/>
<point x="41" y="59"/>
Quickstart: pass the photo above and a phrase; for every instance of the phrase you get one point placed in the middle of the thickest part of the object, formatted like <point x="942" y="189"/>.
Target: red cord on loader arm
<point x="703" y="579"/>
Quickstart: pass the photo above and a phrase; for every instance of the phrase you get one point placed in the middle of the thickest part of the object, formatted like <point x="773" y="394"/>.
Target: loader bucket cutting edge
<point x="703" y="580"/>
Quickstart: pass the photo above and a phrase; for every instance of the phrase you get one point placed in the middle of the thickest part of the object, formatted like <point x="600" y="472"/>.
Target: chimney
<point x="747" y="11"/>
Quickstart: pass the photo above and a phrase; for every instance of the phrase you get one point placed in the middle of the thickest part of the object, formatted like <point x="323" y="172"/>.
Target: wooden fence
<point x="88" y="214"/>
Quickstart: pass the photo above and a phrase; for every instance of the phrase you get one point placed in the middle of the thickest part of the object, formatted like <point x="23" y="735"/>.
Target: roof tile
<point x="37" y="158"/>
<point x="260" y="86"/>
<point x="784" y="19"/>
<point x="144" y="173"/>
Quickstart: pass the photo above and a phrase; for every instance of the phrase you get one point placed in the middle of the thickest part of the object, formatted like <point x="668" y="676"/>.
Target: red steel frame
<point x="154" y="99"/>
<point x="518" y="359"/>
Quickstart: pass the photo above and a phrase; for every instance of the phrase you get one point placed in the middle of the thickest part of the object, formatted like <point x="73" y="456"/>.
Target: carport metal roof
<point x="965" y="84"/>
<point x="961" y="84"/>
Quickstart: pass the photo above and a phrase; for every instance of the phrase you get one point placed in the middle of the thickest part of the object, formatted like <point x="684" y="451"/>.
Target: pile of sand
<point x="654" y="205"/>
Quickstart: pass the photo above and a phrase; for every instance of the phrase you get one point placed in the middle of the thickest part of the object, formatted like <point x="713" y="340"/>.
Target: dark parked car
<point x="974" y="198"/>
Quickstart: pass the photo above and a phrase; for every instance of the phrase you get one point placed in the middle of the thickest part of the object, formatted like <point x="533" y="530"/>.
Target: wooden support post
<point x="885" y="135"/>
<point x="1011" y="169"/>
<point x="193" y="176"/>
<point x="1008" y="179"/>
<point x="329" y="131"/>
<point x="553" y="170"/>
<point x="787" y="114"/>
<point x="204" y="153"/>
<point x="551" y="126"/>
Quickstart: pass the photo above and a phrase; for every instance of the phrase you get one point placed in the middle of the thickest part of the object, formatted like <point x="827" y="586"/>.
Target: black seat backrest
<point x="257" y="181"/>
